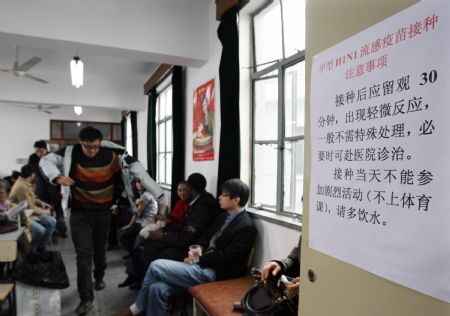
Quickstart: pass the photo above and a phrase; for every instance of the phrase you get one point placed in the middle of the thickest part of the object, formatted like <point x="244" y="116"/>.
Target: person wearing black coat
<point x="172" y="243"/>
<point x="46" y="191"/>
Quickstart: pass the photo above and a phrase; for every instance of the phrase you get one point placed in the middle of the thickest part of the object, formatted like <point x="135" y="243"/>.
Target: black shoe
<point x="84" y="307"/>
<point x="128" y="281"/>
<point x="99" y="285"/>
<point x="135" y="286"/>
<point x="126" y="257"/>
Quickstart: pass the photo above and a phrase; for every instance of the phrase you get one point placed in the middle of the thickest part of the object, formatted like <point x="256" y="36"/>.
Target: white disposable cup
<point x="195" y="251"/>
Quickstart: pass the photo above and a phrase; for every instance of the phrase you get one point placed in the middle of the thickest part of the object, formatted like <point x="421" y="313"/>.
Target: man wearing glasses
<point x="92" y="171"/>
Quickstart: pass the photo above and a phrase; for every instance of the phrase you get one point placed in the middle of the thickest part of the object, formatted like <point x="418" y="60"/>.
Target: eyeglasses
<point x="224" y="194"/>
<point x="91" y="147"/>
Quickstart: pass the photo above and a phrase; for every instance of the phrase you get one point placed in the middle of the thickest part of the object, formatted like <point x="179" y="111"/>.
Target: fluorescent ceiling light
<point x="76" y="70"/>
<point x="78" y="109"/>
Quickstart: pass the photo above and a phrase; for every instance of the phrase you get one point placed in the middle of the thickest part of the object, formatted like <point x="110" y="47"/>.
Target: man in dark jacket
<point x="172" y="243"/>
<point x="46" y="191"/>
<point x="225" y="249"/>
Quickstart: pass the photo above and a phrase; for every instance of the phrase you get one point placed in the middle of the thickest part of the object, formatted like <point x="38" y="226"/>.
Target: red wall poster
<point x="203" y="122"/>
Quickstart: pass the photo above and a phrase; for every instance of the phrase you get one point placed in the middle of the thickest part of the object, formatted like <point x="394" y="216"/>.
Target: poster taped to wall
<point x="203" y="122"/>
<point x="380" y="161"/>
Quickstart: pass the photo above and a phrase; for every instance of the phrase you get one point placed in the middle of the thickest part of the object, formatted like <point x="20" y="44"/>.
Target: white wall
<point x="21" y="127"/>
<point x="194" y="78"/>
<point x="273" y="241"/>
<point x="142" y="136"/>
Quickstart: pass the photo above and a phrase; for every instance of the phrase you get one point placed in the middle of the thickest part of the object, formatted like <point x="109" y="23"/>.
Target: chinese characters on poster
<point x="379" y="149"/>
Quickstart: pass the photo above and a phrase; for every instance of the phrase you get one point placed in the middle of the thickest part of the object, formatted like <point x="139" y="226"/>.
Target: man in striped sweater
<point x="94" y="171"/>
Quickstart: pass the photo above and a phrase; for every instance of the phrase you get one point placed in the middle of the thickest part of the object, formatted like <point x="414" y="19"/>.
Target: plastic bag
<point x="37" y="301"/>
<point x="44" y="269"/>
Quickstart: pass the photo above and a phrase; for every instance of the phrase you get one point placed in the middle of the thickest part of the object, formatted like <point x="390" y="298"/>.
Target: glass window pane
<point x="265" y="175"/>
<point x="161" y="168"/>
<point x="161" y="137"/>
<point x="162" y="103"/>
<point x="168" y="168"/>
<point x="55" y="130"/>
<point x="117" y="132"/>
<point x="104" y="128"/>
<point x="293" y="176"/>
<point x="129" y="140"/>
<point x="294" y="26"/>
<point x="169" y="101"/>
<point x="71" y="129"/>
<point x="268" y="45"/>
<point x="294" y="100"/>
<point x="169" y="135"/>
<point x="266" y="109"/>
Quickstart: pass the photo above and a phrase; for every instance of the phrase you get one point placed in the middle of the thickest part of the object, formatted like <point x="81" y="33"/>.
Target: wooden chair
<point x="7" y="292"/>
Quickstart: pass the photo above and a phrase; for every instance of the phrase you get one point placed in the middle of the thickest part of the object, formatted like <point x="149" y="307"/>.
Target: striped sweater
<point x="94" y="179"/>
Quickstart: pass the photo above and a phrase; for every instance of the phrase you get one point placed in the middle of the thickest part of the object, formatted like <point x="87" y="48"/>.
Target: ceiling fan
<point x="39" y="107"/>
<point x="22" y="70"/>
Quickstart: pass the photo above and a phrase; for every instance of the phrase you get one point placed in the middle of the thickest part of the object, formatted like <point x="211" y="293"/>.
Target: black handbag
<point x="44" y="269"/>
<point x="269" y="298"/>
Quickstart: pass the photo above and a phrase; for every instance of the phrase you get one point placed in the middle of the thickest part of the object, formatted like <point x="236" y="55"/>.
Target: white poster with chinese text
<point x="380" y="131"/>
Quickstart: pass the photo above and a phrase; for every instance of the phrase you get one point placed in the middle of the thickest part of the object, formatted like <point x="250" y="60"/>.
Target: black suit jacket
<point x="229" y="258"/>
<point x="197" y="219"/>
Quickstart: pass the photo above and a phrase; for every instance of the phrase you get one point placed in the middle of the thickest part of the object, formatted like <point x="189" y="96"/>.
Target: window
<point x="66" y="132"/>
<point x="129" y="133"/>
<point x="278" y="89"/>
<point x="164" y="133"/>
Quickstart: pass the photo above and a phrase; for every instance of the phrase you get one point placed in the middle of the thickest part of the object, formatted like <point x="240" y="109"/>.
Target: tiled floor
<point x="108" y="301"/>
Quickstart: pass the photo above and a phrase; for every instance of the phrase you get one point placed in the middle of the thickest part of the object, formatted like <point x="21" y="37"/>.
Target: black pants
<point x="89" y="234"/>
<point x="128" y="236"/>
<point x="142" y="257"/>
<point x="117" y="221"/>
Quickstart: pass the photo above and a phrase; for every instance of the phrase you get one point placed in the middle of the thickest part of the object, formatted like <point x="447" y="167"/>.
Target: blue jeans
<point x="42" y="231"/>
<point x="164" y="276"/>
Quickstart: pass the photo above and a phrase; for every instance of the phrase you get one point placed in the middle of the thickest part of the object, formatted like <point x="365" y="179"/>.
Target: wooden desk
<point x="8" y="245"/>
<point x="8" y="255"/>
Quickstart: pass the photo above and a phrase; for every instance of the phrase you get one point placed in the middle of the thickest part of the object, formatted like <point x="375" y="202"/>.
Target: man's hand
<point x="293" y="288"/>
<point x="63" y="180"/>
<point x="46" y="211"/>
<point x="270" y="267"/>
<point x="156" y="235"/>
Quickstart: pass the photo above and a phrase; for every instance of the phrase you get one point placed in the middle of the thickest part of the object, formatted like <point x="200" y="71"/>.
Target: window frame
<point x="280" y="66"/>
